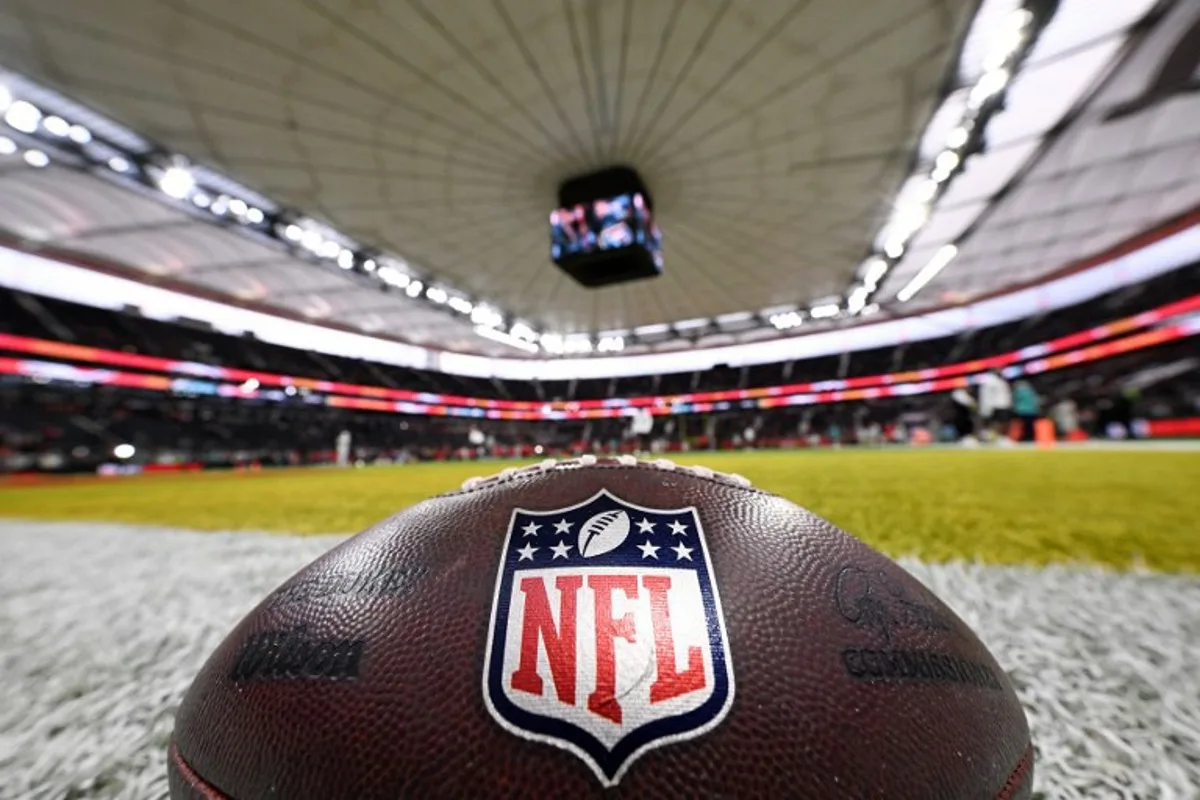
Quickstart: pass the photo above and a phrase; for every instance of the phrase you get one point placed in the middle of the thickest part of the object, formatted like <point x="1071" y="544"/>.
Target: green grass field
<point x="1115" y="508"/>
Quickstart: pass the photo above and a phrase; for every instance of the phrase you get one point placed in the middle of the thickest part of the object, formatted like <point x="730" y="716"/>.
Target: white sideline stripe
<point x="105" y="626"/>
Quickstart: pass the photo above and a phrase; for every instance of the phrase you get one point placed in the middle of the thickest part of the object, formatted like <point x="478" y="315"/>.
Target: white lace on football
<point x="549" y="464"/>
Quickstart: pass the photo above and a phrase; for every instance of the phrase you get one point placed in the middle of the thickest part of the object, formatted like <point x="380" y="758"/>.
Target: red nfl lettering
<point x="559" y="643"/>
<point x="670" y="683"/>
<point x="603" y="701"/>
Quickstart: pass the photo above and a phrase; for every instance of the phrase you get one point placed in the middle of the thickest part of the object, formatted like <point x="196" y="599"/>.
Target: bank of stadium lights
<point x="174" y="177"/>
<point x="170" y="175"/>
<point x="1013" y="39"/>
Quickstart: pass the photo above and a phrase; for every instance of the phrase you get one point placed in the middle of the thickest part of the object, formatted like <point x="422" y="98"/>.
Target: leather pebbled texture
<point x="815" y="620"/>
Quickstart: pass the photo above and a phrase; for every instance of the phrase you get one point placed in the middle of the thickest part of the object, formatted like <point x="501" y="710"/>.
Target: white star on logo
<point x="531" y="529"/>
<point x="560" y="550"/>
<point x="678" y="528"/>
<point x="648" y="550"/>
<point x="562" y="526"/>
<point x="682" y="552"/>
<point x="527" y="552"/>
<point x="645" y="526"/>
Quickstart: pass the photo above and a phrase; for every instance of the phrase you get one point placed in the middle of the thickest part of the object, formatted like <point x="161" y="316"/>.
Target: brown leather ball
<point x="602" y="628"/>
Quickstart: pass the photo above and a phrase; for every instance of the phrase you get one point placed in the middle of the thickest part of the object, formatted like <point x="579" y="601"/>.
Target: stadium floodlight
<point x="23" y="116"/>
<point x="991" y="84"/>
<point x="736" y="318"/>
<point x="345" y="259"/>
<point x="311" y="240"/>
<point x="461" y="304"/>
<point x="330" y="249"/>
<point x="56" y="126"/>
<point x="36" y="159"/>
<point x="437" y="295"/>
<point x="1010" y="36"/>
<point x="553" y="343"/>
<point x="201" y="200"/>
<point x="176" y="181"/>
<point x="611" y="344"/>
<point x="7" y="146"/>
<point x="523" y="331"/>
<point x="786" y="320"/>
<point x="393" y="277"/>
<point x="79" y="134"/>
<point x="857" y="300"/>
<point x="928" y="272"/>
<point x="254" y="215"/>
<point x="577" y="343"/>
<point x="504" y="338"/>
<point x="873" y="272"/>
<point x="958" y="137"/>
<point x="944" y="165"/>
<point x="824" y="311"/>
<point x="118" y="164"/>
<point x="488" y="316"/>
<point x="370" y="265"/>
<point x="414" y="288"/>
<point x="124" y="451"/>
<point x="238" y="207"/>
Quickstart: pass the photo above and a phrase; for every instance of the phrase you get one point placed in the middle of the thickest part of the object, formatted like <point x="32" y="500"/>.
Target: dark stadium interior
<point x="63" y="428"/>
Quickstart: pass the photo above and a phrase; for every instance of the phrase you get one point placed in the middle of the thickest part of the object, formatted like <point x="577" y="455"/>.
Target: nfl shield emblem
<point x="607" y="637"/>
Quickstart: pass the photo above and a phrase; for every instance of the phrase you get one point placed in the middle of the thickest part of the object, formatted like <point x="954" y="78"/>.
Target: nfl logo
<point x="607" y="637"/>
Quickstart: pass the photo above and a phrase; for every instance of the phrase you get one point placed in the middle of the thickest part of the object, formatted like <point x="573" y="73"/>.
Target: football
<point x="602" y="533"/>
<point x="610" y="628"/>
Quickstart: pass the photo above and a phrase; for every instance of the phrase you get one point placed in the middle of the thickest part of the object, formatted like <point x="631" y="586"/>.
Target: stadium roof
<point x="796" y="153"/>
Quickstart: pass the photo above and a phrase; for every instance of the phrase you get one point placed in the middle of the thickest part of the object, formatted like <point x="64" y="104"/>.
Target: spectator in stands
<point x="1027" y="406"/>
<point x="995" y="406"/>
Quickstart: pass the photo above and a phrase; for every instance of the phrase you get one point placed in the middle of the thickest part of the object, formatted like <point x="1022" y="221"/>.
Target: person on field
<point x="1066" y="417"/>
<point x="1027" y="406"/>
<point x="963" y="420"/>
<point x="995" y="406"/>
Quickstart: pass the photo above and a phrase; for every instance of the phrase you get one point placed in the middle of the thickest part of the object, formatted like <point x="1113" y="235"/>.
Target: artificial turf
<point x="1122" y="509"/>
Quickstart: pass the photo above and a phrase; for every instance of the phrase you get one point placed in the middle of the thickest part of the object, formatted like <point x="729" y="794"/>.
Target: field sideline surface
<point x="1118" y="508"/>
<point x="107" y="623"/>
